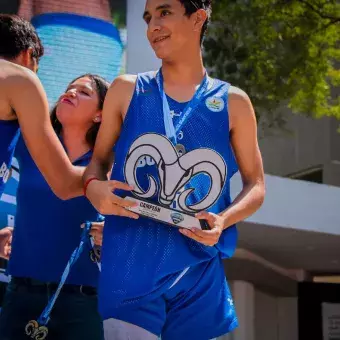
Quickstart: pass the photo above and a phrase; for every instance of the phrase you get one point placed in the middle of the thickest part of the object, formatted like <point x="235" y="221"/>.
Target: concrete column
<point x="288" y="318"/>
<point x="244" y="299"/>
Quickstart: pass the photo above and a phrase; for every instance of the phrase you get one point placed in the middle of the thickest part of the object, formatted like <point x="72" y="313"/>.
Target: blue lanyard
<point x="45" y="315"/>
<point x="85" y="238"/>
<point x="170" y="130"/>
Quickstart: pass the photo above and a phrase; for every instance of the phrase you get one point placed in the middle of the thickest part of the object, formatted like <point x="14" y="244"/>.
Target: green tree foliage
<point x="278" y="51"/>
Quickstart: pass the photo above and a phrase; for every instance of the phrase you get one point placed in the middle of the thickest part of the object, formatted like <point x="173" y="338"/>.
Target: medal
<point x="95" y="254"/>
<point x="35" y="331"/>
<point x="180" y="149"/>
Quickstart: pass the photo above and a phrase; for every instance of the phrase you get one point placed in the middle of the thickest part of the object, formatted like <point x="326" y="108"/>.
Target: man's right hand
<point x="100" y="194"/>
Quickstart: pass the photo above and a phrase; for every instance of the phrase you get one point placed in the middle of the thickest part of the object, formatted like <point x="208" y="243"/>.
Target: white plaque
<point x="172" y="217"/>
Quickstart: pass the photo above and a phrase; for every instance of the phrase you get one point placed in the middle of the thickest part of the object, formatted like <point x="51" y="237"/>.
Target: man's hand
<point x="100" y="194"/>
<point x="206" y="237"/>
<point x="6" y="242"/>
<point x="96" y="232"/>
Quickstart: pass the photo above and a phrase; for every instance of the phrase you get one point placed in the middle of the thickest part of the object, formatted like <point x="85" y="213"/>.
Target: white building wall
<point x="297" y="204"/>
<point x="140" y="56"/>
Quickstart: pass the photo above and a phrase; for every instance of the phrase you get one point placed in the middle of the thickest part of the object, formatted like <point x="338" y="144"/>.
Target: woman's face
<point x="78" y="106"/>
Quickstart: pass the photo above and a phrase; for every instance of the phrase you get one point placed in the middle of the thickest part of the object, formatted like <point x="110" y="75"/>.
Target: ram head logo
<point x="175" y="171"/>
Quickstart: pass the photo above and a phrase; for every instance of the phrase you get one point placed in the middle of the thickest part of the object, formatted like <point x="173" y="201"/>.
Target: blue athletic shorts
<point x="198" y="307"/>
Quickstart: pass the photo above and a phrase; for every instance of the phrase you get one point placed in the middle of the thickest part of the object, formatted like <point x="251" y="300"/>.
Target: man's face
<point x="169" y="30"/>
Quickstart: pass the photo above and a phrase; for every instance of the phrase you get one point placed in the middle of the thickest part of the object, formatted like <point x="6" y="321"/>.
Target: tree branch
<point x="321" y="15"/>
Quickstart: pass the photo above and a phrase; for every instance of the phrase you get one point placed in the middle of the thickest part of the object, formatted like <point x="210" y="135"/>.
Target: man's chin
<point x="161" y="53"/>
<point x="163" y="56"/>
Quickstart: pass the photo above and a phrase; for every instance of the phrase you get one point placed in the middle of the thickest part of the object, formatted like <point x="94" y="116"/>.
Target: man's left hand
<point x="206" y="237"/>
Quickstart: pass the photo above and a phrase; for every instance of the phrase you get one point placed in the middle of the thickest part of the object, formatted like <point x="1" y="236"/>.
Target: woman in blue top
<point x="48" y="229"/>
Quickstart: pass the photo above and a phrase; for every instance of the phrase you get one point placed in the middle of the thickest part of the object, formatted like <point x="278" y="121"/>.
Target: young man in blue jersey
<point x="178" y="137"/>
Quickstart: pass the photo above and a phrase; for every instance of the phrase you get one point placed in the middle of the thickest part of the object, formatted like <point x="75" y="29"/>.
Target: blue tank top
<point x="142" y="258"/>
<point x="47" y="229"/>
<point x="9" y="132"/>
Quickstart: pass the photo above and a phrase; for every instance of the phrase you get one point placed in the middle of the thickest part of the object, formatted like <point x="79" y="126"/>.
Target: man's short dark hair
<point x="18" y="35"/>
<point x="191" y="6"/>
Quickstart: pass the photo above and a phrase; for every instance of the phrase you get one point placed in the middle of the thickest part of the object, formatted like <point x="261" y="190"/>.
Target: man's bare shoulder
<point x="237" y="95"/>
<point x="10" y="72"/>
<point x="238" y="101"/>
<point x="120" y="94"/>
<point x="240" y="106"/>
<point x="14" y="80"/>
<point x="14" y="77"/>
<point x="124" y="81"/>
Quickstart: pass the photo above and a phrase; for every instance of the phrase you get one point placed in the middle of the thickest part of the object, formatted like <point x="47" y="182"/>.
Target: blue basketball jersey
<point x="141" y="259"/>
<point x="47" y="229"/>
<point x="9" y="132"/>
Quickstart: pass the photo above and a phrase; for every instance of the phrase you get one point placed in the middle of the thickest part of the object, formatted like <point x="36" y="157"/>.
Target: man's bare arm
<point x="245" y="145"/>
<point x="28" y="99"/>
<point x="115" y="105"/>
<point x="243" y="132"/>
<point x="100" y="191"/>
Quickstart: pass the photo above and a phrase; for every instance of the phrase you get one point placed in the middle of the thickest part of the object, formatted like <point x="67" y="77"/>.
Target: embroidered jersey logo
<point x="174" y="114"/>
<point x="177" y="218"/>
<point x="4" y="172"/>
<point x="215" y="104"/>
<point x="175" y="172"/>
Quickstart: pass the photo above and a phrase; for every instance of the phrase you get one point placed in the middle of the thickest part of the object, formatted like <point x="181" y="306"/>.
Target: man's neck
<point x="182" y="78"/>
<point x="75" y="142"/>
<point x="186" y="72"/>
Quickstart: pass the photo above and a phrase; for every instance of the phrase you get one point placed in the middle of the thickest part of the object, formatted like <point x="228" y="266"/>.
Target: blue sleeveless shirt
<point x="9" y="132"/>
<point x="142" y="258"/>
<point x="47" y="229"/>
